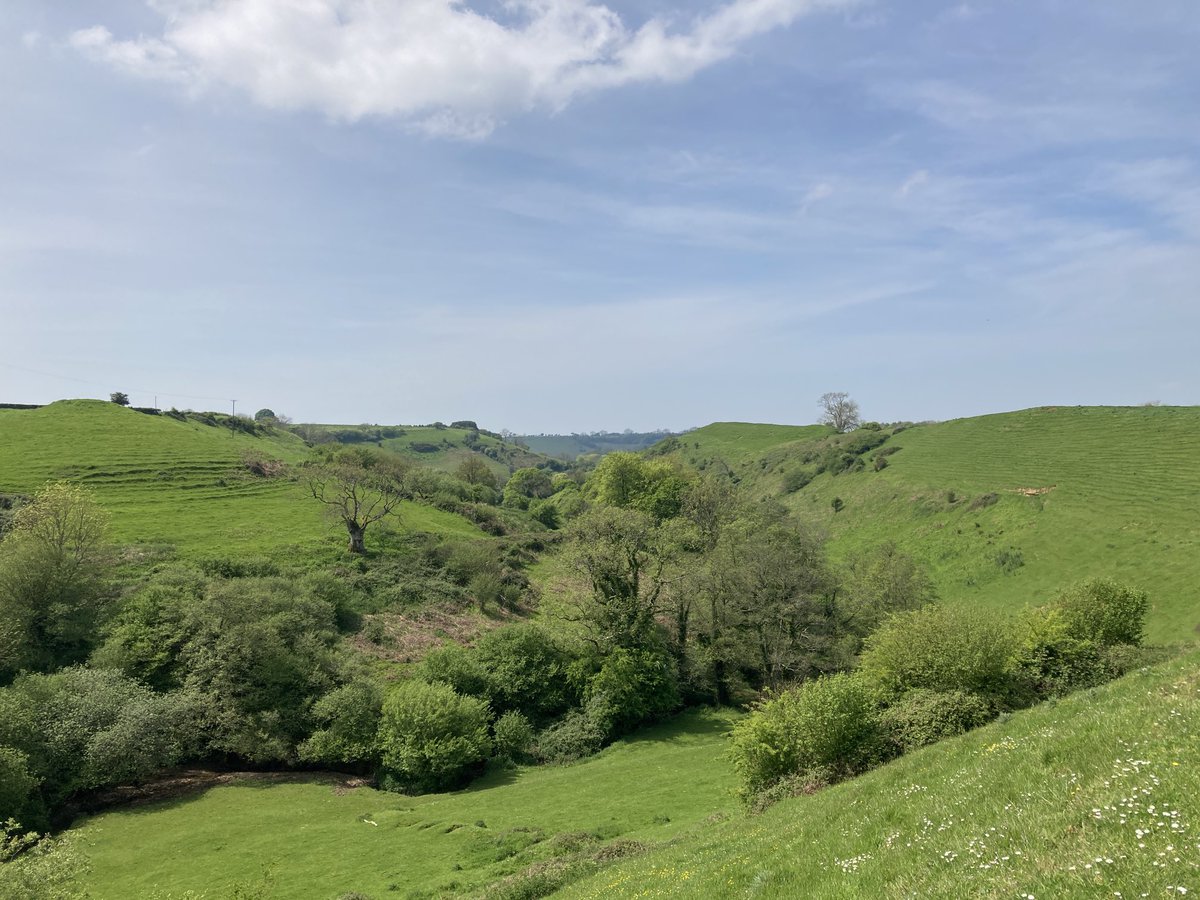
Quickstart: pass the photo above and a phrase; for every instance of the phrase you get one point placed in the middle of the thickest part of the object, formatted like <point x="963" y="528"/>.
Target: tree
<point x="768" y="608"/>
<point x="265" y="415"/>
<point x="360" y="488"/>
<point x="627" y="562"/>
<point x="473" y="470"/>
<point x="51" y="588"/>
<point x="525" y="485"/>
<point x="119" y="397"/>
<point x="838" y="410"/>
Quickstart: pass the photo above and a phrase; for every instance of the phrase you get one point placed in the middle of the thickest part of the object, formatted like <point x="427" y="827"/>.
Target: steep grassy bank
<point x="1006" y="509"/>
<point x="1094" y="796"/>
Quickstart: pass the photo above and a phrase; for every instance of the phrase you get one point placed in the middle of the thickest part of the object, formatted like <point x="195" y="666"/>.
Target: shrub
<point x="1104" y="611"/>
<point x="796" y="479"/>
<point x="827" y="727"/>
<point x="573" y="737"/>
<point x="546" y="512"/>
<point x="942" y="648"/>
<point x="457" y="667"/>
<point x="513" y="735"/>
<point x="86" y="728"/>
<point x="18" y="790"/>
<point x="262" y="465"/>
<point x="633" y="687"/>
<point x="923" y="717"/>
<point x="349" y="717"/>
<point x="38" y="867"/>
<point x="1009" y="560"/>
<point x="525" y="671"/>
<point x="983" y="501"/>
<point x="431" y="738"/>
<point x="1050" y="660"/>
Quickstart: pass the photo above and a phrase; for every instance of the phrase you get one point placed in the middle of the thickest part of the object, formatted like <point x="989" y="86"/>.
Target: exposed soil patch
<point x="1034" y="491"/>
<point x="407" y="637"/>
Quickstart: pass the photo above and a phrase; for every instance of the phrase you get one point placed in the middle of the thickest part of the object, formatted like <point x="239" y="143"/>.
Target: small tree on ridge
<point x="838" y="410"/>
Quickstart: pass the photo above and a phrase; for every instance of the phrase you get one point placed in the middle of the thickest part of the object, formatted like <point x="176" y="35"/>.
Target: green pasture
<point x="316" y="840"/>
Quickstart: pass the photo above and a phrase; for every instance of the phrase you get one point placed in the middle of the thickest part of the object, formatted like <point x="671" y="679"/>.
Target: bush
<point x="526" y="671"/>
<point x="1051" y="661"/>
<point x="18" y="790"/>
<point x="86" y="728"/>
<point x="631" y="688"/>
<point x="513" y="735"/>
<point x="796" y="479"/>
<point x="573" y="737"/>
<point x="431" y="738"/>
<point x="828" y="727"/>
<point x="1009" y="560"/>
<point x="349" y="717"/>
<point x="941" y="648"/>
<point x="1104" y="611"/>
<point x="924" y="717"/>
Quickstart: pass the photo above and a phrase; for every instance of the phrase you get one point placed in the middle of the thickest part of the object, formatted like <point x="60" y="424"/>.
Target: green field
<point x="179" y="484"/>
<point x="320" y="842"/>
<point x="1092" y="795"/>
<point x="1119" y="495"/>
<point x="1095" y="796"/>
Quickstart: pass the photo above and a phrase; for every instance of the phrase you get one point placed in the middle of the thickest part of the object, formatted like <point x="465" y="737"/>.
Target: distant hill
<point x="572" y="446"/>
<point x="1004" y="509"/>
<point x="438" y="446"/>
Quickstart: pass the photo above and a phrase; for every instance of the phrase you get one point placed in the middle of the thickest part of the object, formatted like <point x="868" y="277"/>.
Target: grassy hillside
<point x="1095" y="796"/>
<point x="740" y="443"/>
<point x="320" y="841"/>
<point x="176" y="483"/>
<point x="1006" y="509"/>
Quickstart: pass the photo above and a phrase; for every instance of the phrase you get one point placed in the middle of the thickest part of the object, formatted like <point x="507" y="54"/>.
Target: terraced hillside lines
<point x="1095" y="796"/>
<point x="320" y="841"/>
<point x="175" y="483"/>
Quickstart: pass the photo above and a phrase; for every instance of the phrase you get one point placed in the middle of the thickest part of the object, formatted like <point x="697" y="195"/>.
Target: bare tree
<point x="838" y="410"/>
<point x="359" y="488"/>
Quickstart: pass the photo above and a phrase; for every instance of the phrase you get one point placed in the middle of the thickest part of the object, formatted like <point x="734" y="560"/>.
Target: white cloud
<point x="438" y="64"/>
<point x="914" y="181"/>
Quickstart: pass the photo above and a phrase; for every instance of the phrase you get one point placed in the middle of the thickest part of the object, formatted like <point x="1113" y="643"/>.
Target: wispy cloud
<point x="440" y="65"/>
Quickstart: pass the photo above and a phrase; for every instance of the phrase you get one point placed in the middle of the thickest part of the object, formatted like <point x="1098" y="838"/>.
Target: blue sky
<point x="556" y="215"/>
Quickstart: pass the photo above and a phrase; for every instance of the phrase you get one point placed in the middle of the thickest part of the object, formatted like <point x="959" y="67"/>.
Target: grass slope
<point x="1095" y="796"/>
<point x="318" y="842"/>
<point x="740" y="443"/>
<point x="177" y="483"/>
<point x="1119" y="489"/>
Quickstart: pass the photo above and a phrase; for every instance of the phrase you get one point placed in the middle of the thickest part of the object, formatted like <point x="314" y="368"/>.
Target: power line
<point x="98" y="385"/>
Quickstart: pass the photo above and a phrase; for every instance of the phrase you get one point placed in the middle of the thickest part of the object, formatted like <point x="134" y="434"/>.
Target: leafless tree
<point x="838" y="410"/>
